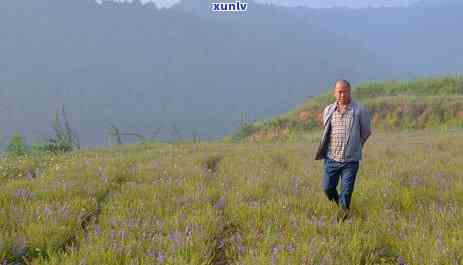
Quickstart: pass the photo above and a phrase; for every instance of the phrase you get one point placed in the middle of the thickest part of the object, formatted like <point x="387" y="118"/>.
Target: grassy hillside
<point x="418" y="104"/>
<point x="234" y="204"/>
<point x="249" y="203"/>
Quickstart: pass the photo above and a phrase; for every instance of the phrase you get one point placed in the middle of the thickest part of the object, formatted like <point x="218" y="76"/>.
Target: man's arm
<point x="365" y="127"/>
<point x="321" y="118"/>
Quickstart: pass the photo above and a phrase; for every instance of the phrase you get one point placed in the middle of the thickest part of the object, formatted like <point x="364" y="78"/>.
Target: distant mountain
<point x="143" y="68"/>
<point x="340" y="3"/>
<point x="438" y="3"/>
<point x="189" y="71"/>
<point x="318" y="3"/>
<point x="414" y="41"/>
<point x="400" y="45"/>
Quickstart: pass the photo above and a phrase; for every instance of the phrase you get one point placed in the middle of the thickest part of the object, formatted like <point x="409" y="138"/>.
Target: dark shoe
<point x="343" y="215"/>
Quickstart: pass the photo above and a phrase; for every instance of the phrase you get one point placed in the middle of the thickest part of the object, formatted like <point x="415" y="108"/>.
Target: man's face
<point x="342" y="93"/>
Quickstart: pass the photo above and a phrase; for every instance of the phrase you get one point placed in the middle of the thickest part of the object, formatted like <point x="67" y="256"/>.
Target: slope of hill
<point x="417" y="104"/>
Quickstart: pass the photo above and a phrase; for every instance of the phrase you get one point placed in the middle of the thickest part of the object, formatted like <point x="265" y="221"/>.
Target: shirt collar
<point x="348" y="107"/>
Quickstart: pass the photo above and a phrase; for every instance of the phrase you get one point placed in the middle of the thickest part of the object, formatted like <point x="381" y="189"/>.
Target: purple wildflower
<point x="122" y="234"/>
<point x="113" y="223"/>
<point x="275" y="250"/>
<point x="417" y="181"/>
<point x="65" y="211"/>
<point x="156" y="163"/>
<point x="221" y="244"/>
<point x="131" y="223"/>
<point x="160" y="258"/>
<point x="101" y="173"/>
<point x="151" y="253"/>
<point x="183" y="217"/>
<point x="291" y="247"/>
<point x="30" y="174"/>
<point x="189" y="231"/>
<point x="220" y="203"/>
<point x="23" y="194"/>
<point x="112" y="235"/>
<point x="47" y="211"/>
<point x="241" y="248"/>
<point x="172" y="236"/>
<point x="97" y="230"/>
<point x="274" y="259"/>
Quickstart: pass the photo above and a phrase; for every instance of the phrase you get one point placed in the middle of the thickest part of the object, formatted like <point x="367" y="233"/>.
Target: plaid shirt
<point x="339" y="129"/>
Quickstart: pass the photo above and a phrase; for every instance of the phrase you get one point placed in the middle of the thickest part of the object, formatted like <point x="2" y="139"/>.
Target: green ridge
<point x="394" y="105"/>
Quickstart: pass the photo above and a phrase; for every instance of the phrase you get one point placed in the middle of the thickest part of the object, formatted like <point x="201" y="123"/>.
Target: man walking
<point x="346" y="128"/>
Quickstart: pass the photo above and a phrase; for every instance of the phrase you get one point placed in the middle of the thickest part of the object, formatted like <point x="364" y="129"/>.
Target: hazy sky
<point x="313" y="3"/>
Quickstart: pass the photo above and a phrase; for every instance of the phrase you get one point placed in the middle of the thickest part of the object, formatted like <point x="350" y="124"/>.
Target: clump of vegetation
<point x="65" y="139"/>
<point x="245" y="130"/>
<point x="280" y="159"/>
<point x="210" y="162"/>
<point x="16" y="146"/>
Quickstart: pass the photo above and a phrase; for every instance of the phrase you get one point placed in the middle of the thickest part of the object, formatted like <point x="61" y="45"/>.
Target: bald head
<point x="343" y="82"/>
<point x="342" y="92"/>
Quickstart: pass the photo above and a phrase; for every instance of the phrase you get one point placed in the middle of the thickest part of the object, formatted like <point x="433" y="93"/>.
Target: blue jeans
<point x="348" y="172"/>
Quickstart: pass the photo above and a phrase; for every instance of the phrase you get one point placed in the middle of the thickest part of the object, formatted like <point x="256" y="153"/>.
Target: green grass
<point x="40" y="215"/>
<point x="394" y="105"/>
<point x="224" y="203"/>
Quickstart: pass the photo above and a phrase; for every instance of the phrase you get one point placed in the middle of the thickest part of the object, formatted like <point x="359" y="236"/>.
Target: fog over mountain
<point x="326" y="3"/>
<point x="316" y="3"/>
<point x="438" y="3"/>
<point x="340" y="3"/>
<point x="188" y="71"/>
